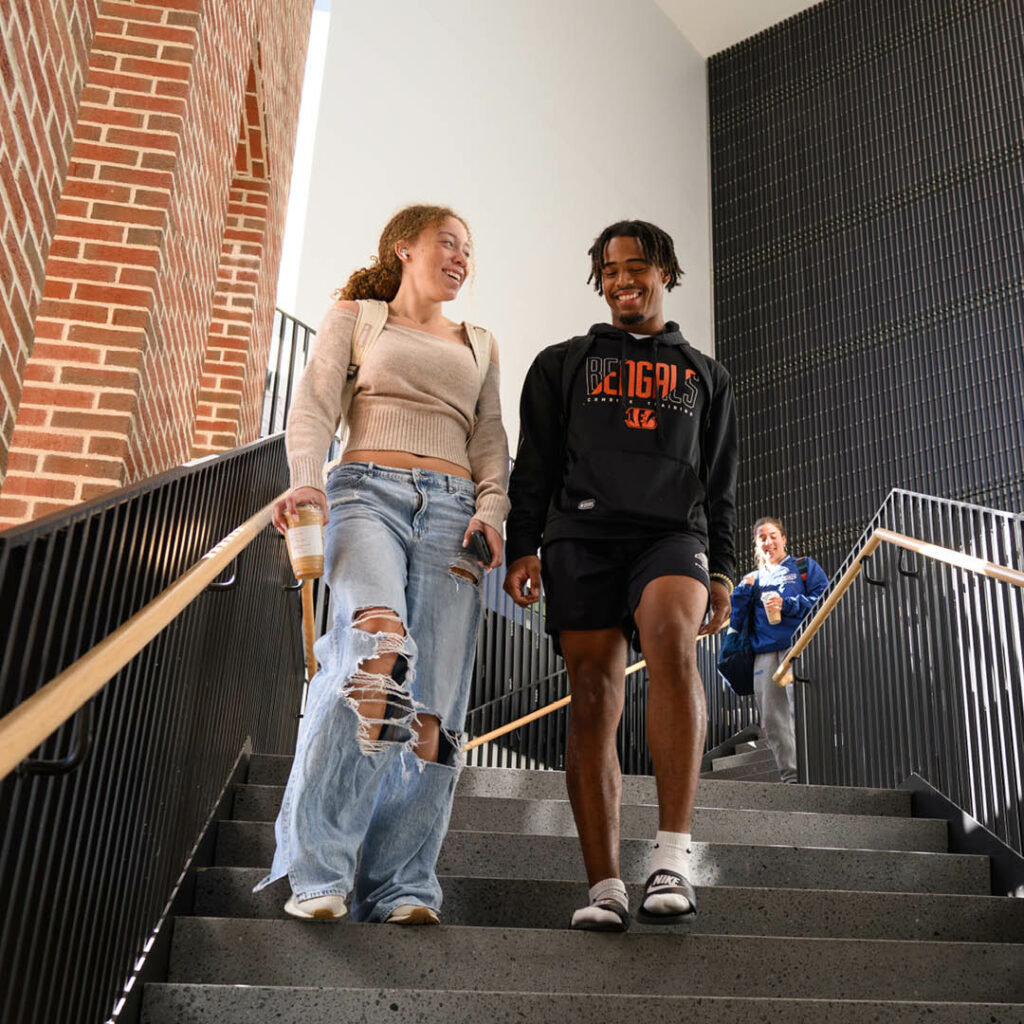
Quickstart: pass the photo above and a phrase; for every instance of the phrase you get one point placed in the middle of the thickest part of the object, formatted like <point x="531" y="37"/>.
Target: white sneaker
<point x="319" y="908"/>
<point x="413" y="913"/>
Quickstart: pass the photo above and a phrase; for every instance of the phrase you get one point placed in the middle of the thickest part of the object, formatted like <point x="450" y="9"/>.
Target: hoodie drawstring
<point x="657" y="397"/>
<point x="623" y="405"/>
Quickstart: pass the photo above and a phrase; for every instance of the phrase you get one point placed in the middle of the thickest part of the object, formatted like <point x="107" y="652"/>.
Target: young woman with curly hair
<point x="425" y="465"/>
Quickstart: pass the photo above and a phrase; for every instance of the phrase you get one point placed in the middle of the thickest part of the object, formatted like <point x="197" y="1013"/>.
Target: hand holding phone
<point x="481" y="549"/>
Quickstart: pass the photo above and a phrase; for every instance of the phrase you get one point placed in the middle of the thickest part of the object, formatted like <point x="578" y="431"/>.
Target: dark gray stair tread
<point x="484" y="854"/>
<point x="525" y="903"/>
<point x="640" y="789"/>
<point x="866" y="918"/>
<point x="259" y="952"/>
<point x="272" y="770"/>
<point x="745" y="757"/>
<point x="764" y="772"/>
<point x="227" y="1004"/>
<point x="269" y="769"/>
<point x="640" y="821"/>
<point x="750" y="745"/>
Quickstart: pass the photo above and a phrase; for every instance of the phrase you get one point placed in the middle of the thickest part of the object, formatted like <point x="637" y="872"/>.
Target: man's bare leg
<point x="596" y="661"/>
<point x="668" y="617"/>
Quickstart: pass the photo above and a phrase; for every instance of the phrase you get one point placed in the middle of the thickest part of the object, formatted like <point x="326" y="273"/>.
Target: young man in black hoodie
<point x="624" y="479"/>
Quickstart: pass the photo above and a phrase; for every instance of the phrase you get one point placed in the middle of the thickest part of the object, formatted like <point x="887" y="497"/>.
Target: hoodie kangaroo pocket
<point x="637" y="485"/>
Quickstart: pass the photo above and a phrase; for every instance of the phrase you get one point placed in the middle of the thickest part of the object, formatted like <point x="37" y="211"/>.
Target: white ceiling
<point x="713" y="25"/>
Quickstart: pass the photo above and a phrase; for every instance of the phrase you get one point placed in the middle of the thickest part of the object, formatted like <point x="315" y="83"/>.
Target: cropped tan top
<point x="415" y="392"/>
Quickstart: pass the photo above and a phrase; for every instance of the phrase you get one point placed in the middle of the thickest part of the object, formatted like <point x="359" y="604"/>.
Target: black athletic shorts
<point x="596" y="584"/>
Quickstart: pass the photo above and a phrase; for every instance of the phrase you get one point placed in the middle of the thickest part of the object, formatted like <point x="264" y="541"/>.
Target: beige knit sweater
<point x="415" y="392"/>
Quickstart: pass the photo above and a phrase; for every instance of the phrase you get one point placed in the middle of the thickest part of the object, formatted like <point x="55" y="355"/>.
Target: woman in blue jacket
<point x="781" y="593"/>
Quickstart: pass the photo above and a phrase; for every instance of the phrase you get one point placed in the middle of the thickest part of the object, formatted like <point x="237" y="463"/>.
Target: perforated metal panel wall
<point x="868" y="192"/>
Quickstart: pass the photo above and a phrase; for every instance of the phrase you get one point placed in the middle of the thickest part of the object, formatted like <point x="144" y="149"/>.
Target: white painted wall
<point x="302" y="163"/>
<point x="540" y="121"/>
<point x="712" y="27"/>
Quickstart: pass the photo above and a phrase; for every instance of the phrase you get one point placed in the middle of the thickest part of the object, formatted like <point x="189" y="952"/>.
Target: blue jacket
<point x="798" y="597"/>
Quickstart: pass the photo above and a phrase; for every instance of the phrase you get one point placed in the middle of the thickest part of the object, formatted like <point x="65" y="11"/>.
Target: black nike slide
<point x="667" y="883"/>
<point x="605" y="915"/>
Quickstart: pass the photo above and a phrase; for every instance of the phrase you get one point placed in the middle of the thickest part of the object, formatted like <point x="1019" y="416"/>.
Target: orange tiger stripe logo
<point x="641" y="419"/>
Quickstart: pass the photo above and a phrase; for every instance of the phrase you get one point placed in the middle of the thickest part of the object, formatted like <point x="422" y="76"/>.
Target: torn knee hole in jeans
<point x="449" y="749"/>
<point x="367" y="615"/>
<point x="381" y="699"/>
<point x="392" y="711"/>
<point x="466" y="569"/>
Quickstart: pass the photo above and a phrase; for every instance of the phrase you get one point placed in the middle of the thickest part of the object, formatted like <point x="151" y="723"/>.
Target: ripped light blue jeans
<point x="393" y="541"/>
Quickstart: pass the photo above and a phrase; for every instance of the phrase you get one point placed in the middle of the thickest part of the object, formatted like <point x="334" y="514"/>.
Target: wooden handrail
<point x="38" y="716"/>
<point x="957" y="559"/>
<point x="534" y="715"/>
<point x="509" y="726"/>
<point x="308" y="628"/>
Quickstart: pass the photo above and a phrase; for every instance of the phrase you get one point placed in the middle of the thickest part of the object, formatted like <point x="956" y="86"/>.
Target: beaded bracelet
<point x="722" y="578"/>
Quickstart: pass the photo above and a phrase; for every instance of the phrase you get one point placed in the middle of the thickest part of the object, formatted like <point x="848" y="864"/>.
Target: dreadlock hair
<point x="382" y="278"/>
<point x="656" y="244"/>
<point x="764" y="521"/>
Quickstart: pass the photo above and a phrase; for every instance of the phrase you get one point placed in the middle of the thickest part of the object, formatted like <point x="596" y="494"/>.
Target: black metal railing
<point x="89" y="857"/>
<point x="920" y="669"/>
<point x="290" y="344"/>
<point x="517" y="671"/>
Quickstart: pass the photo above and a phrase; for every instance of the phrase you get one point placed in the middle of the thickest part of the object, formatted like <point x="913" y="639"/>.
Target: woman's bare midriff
<point x="406" y="460"/>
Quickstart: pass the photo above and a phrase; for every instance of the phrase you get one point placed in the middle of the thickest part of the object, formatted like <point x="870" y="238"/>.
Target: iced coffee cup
<point x="305" y="539"/>
<point x="774" y="617"/>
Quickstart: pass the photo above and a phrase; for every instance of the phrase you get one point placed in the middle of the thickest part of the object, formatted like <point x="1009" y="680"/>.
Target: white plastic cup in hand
<point x="305" y="539"/>
<point x="774" y="614"/>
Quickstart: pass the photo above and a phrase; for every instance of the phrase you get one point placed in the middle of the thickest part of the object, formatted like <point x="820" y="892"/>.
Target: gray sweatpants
<point x="775" y="704"/>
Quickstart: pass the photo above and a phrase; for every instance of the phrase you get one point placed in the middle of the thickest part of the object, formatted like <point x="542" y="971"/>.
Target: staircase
<point x="751" y="761"/>
<point x="816" y="904"/>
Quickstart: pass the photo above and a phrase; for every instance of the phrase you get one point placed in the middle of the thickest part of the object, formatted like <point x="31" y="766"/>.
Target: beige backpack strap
<point x="480" y="339"/>
<point x="370" y="321"/>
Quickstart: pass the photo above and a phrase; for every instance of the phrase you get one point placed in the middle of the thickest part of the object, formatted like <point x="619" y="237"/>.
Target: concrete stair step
<point x="751" y="745"/>
<point x="257" y="952"/>
<point x="878" y="924"/>
<point x="739" y="910"/>
<point x="640" y="821"/>
<point x="272" y="770"/>
<point x="764" y="771"/>
<point x="228" y="1004"/>
<point x="749" y="735"/>
<point x="747" y="757"/>
<point x="640" y="789"/>
<point x="481" y="854"/>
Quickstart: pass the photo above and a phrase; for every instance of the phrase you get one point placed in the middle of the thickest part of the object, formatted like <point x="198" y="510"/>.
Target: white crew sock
<point x="606" y="889"/>
<point x="609" y="889"/>
<point x="671" y="853"/>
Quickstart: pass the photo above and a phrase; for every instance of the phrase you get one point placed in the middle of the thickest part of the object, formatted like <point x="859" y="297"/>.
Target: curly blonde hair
<point x="381" y="279"/>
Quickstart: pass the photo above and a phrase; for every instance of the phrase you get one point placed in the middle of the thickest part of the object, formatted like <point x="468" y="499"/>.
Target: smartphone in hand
<point x="481" y="549"/>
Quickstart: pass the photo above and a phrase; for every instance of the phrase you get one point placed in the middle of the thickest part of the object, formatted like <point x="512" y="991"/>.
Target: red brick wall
<point x="135" y="282"/>
<point x="231" y="330"/>
<point x="44" y="45"/>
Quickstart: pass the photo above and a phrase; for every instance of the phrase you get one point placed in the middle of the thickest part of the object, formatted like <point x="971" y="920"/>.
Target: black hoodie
<point x="625" y="437"/>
